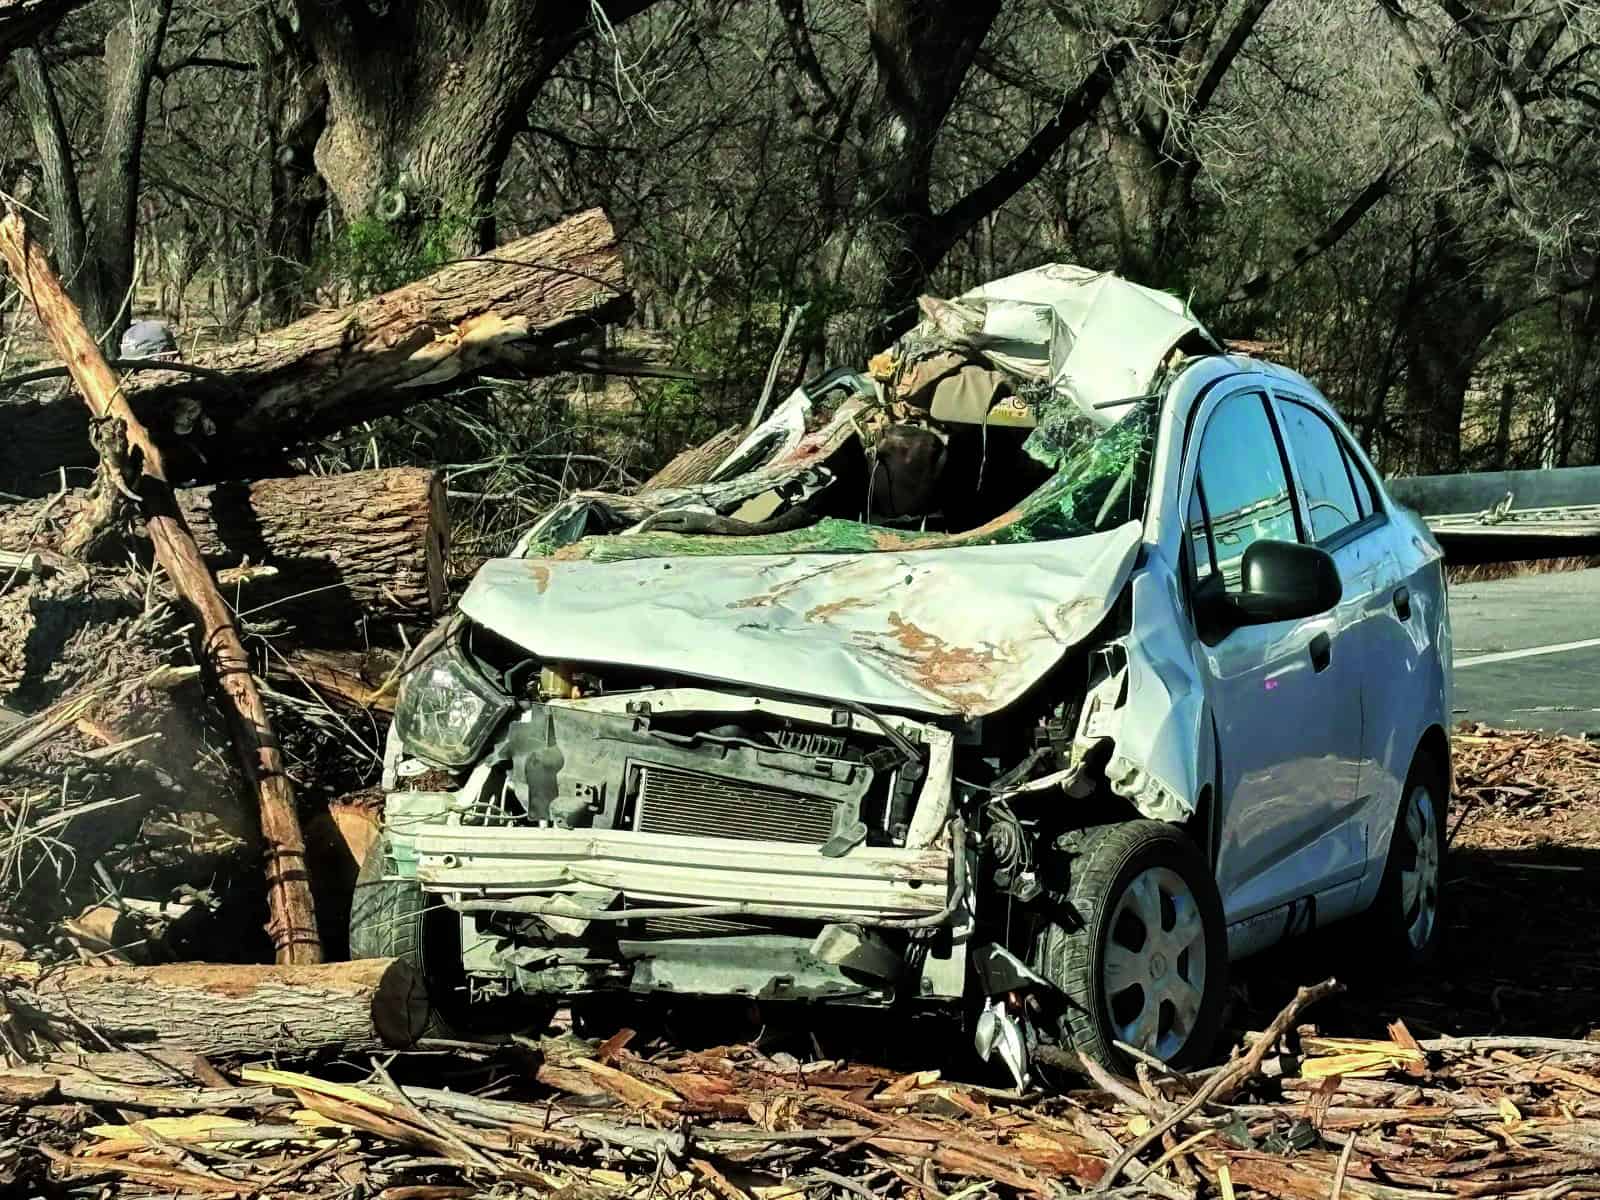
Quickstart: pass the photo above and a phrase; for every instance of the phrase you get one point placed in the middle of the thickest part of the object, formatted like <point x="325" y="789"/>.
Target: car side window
<point x="1244" y="486"/>
<point x="1324" y="475"/>
<point x="1366" y="491"/>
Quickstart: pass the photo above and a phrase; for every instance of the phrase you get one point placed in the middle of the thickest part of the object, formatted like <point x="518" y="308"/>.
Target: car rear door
<point x="1285" y="696"/>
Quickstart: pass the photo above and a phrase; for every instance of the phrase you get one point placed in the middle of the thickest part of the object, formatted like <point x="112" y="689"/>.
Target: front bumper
<point x="869" y="885"/>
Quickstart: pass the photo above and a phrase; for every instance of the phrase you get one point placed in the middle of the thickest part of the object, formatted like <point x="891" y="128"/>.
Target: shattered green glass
<point x="1103" y="485"/>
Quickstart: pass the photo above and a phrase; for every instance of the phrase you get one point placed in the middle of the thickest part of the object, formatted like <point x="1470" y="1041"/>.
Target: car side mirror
<point x="1281" y="581"/>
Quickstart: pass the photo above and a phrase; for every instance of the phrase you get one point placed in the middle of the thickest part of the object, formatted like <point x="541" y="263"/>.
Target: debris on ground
<point x="1405" y="1110"/>
<point x="1525" y="788"/>
<point x="1302" y="1115"/>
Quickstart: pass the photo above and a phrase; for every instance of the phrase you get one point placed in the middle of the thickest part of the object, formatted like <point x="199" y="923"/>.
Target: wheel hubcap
<point x="1154" y="963"/>
<point x="1419" y="868"/>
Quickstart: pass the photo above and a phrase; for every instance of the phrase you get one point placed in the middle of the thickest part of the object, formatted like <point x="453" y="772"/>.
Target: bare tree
<point x="1509" y="86"/>
<point x="889" y="132"/>
<point x="95" y="224"/>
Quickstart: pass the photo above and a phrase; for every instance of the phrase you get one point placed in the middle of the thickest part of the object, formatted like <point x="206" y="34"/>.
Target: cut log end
<point x="232" y="1009"/>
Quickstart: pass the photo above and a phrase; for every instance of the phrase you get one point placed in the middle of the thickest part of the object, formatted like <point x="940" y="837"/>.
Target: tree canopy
<point x="1395" y="196"/>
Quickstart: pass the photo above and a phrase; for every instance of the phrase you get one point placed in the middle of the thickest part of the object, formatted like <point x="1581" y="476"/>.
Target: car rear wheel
<point x="390" y="917"/>
<point x="1136" y="946"/>
<point x="1404" y="922"/>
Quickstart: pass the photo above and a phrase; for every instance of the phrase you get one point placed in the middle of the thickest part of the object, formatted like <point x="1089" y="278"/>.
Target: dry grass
<point x="1487" y="572"/>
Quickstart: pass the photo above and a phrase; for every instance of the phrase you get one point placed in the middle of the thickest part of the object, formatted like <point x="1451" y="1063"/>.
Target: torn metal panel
<point x="1150" y="708"/>
<point x="1093" y="338"/>
<point x="799" y="468"/>
<point x="958" y="631"/>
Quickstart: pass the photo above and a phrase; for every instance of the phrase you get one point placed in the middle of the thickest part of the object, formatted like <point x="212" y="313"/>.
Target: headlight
<point x="447" y="710"/>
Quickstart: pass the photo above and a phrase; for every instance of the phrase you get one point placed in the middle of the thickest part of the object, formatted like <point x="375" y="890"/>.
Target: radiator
<point x="691" y="803"/>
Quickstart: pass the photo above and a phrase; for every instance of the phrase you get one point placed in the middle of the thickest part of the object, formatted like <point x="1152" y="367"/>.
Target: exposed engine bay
<point x="618" y="836"/>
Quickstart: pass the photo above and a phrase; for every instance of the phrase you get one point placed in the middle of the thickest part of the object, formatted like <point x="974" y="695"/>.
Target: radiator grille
<point x="673" y="800"/>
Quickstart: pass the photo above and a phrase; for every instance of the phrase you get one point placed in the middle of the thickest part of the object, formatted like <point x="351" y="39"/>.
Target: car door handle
<point x="1402" y="603"/>
<point x="1321" y="652"/>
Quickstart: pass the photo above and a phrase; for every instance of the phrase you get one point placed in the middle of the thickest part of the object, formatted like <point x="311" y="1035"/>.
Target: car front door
<point x="1345" y="521"/>
<point x="1285" y="697"/>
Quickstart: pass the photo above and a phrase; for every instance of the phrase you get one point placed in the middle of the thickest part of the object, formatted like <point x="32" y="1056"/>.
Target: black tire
<point x="1091" y="872"/>
<point x="1387" y="931"/>
<point x="390" y="917"/>
<point x="386" y="911"/>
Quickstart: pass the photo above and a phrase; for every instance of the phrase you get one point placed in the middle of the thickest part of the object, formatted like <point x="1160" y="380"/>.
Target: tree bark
<point x="292" y="114"/>
<point x="922" y="55"/>
<point x="510" y="309"/>
<point x="371" y="544"/>
<point x="1450" y="314"/>
<point x="94" y="250"/>
<point x="293" y="923"/>
<point x="424" y="100"/>
<point x="58" y="172"/>
<point x="695" y="464"/>
<point x="227" y="1009"/>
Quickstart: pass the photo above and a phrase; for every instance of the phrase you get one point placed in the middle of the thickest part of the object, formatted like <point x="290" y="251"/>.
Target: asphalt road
<point x="1528" y="651"/>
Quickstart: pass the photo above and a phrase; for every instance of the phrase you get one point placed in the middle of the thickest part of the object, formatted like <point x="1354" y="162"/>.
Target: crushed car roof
<point x="834" y="554"/>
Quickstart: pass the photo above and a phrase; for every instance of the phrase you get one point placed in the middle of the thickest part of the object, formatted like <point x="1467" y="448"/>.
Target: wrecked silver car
<point x="1044" y="666"/>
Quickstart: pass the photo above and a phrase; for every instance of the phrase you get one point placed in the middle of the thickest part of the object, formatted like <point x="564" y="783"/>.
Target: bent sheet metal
<point x="959" y="631"/>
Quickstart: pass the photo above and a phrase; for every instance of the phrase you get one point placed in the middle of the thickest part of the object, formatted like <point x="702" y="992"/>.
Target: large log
<point x="222" y="1010"/>
<point x="371" y="544"/>
<point x="520" y="307"/>
<point x="293" y="920"/>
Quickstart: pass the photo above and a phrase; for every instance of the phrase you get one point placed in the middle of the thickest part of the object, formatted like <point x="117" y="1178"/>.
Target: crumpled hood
<point x="962" y="631"/>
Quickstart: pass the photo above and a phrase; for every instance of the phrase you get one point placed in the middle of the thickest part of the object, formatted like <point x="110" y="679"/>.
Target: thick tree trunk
<point x="227" y="1009"/>
<point x="57" y="170"/>
<point x="1438" y="372"/>
<point x="370" y="544"/>
<point x="424" y="101"/>
<point x="510" y="310"/>
<point x="292" y="114"/>
<point x="94" y="245"/>
<point x="695" y="464"/>
<point x="921" y="54"/>
<point x="1451" y="314"/>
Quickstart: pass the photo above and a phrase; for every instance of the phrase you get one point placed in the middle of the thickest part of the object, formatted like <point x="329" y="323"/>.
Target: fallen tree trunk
<point x="368" y="544"/>
<point x="293" y="922"/>
<point x="222" y="1009"/>
<point x="510" y="309"/>
<point x="363" y="680"/>
<point x="694" y="465"/>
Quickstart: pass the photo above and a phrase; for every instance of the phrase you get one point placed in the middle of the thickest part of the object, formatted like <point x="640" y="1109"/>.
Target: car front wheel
<point x="1135" y="944"/>
<point x="390" y="917"/>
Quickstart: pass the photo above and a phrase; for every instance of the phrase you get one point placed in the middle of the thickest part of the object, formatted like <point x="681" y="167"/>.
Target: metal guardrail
<point x="1508" y="516"/>
<point x="1480" y="491"/>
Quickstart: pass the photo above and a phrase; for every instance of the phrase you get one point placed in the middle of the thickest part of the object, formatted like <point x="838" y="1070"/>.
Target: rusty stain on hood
<point x="957" y="673"/>
<point x="958" y="631"/>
